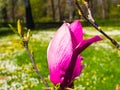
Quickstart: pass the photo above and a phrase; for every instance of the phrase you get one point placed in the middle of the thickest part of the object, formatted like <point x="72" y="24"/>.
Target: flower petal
<point x="76" y="29"/>
<point x="85" y="43"/>
<point x="59" y="54"/>
<point x="73" y="70"/>
<point x="78" y="67"/>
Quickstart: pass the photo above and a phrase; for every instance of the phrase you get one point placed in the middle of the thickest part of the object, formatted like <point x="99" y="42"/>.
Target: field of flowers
<point x="101" y="62"/>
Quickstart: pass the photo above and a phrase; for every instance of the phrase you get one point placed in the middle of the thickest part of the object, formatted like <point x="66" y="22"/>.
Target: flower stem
<point x="34" y="64"/>
<point x="95" y="25"/>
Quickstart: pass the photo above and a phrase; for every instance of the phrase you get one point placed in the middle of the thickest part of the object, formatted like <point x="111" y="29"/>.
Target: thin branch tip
<point x="31" y="55"/>
<point x="118" y="47"/>
<point x="90" y="19"/>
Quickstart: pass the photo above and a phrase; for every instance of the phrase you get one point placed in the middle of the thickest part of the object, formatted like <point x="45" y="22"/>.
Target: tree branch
<point x="94" y="24"/>
<point x="33" y="62"/>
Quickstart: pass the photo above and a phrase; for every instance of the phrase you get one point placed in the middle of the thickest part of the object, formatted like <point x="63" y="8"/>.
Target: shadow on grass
<point x="5" y="30"/>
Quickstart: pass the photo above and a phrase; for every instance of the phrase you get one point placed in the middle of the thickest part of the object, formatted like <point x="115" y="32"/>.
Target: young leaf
<point x="19" y="27"/>
<point x="13" y="29"/>
<point x="28" y="34"/>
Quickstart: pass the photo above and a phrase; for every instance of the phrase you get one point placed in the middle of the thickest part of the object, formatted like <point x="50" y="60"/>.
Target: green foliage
<point x="38" y="9"/>
<point x="42" y="9"/>
<point x="114" y="11"/>
<point x="13" y="29"/>
<point x="44" y="19"/>
<point x="2" y="3"/>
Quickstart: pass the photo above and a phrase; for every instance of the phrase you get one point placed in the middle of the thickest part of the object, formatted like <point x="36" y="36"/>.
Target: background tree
<point x="3" y="9"/>
<point x="4" y="15"/>
<point x="12" y="8"/>
<point x="59" y="10"/>
<point x="29" y="18"/>
<point x="54" y="10"/>
<point x="39" y="10"/>
<point x="70" y="8"/>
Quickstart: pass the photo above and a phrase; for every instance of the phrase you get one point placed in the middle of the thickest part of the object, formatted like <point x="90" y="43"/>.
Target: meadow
<point x="101" y="61"/>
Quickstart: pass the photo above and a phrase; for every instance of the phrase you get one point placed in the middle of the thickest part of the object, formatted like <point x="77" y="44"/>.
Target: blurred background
<point x="37" y="11"/>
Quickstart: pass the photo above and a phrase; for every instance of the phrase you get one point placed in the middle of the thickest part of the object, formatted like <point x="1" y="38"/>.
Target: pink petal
<point x="63" y="60"/>
<point x="78" y="67"/>
<point x="85" y="43"/>
<point x="59" y="54"/>
<point x="76" y="32"/>
<point x="73" y="71"/>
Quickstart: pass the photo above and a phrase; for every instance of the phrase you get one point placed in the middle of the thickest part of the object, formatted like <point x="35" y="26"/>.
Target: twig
<point x="25" y="39"/>
<point x="95" y="25"/>
<point x="33" y="62"/>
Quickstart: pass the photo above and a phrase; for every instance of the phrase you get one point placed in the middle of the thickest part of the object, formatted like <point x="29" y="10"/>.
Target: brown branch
<point x="34" y="64"/>
<point x="95" y="25"/>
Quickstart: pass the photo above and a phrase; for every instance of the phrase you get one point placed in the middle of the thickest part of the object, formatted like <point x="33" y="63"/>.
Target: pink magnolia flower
<point x="64" y="61"/>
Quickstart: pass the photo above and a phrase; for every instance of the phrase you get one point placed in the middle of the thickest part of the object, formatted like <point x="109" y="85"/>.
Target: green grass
<point x="101" y="71"/>
<point x="102" y="64"/>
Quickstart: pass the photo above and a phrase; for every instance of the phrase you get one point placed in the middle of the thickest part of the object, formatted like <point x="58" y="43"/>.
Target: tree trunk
<point x="4" y="15"/>
<point x="29" y="18"/>
<point x="70" y="7"/>
<point x="103" y="9"/>
<point x="12" y="12"/>
<point x="59" y="10"/>
<point x="108" y="8"/>
<point x="53" y="9"/>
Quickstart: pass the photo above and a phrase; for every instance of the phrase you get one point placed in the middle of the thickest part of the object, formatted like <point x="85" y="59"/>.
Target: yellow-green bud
<point x="19" y="27"/>
<point x="28" y="34"/>
<point x="79" y="13"/>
